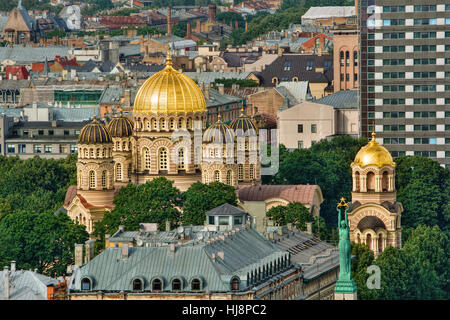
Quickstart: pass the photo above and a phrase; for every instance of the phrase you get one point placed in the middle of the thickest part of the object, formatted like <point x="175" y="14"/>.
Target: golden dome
<point x="120" y="127"/>
<point x="94" y="133"/>
<point x="373" y="154"/>
<point x="244" y="123"/>
<point x="219" y="132"/>
<point x="169" y="92"/>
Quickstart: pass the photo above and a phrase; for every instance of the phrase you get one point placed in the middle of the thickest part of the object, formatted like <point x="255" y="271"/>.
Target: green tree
<point x="154" y="201"/>
<point x="180" y="29"/>
<point x="295" y="213"/>
<point x="200" y="198"/>
<point x="40" y="240"/>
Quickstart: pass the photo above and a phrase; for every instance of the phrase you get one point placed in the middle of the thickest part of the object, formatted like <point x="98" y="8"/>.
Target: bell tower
<point x="374" y="214"/>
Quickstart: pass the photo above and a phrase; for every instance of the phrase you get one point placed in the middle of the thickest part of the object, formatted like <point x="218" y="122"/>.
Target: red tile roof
<point x="292" y="193"/>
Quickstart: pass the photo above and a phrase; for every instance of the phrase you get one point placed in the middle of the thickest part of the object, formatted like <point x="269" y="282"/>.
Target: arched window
<point x="357" y="181"/>
<point x="124" y="146"/>
<point x="156" y="285"/>
<point x="369" y="241"/>
<point x="380" y="242"/>
<point x="252" y="171"/>
<point x="162" y="159"/>
<point x="86" y="284"/>
<point x="176" y="285"/>
<point x="196" y="285"/>
<point x="230" y="177"/>
<point x="370" y="181"/>
<point x="347" y="58"/>
<point x="92" y="183"/>
<point x="104" y="179"/>
<point x="235" y="284"/>
<point x="91" y="151"/>
<point x="119" y="172"/>
<point x="117" y="145"/>
<point x="154" y="124"/>
<point x="137" y="285"/>
<point x="97" y="153"/>
<point x="216" y="175"/>
<point x="240" y="172"/>
<point x="385" y="181"/>
<point x="146" y="159"/>
<point x="180" y="162"/>
<point x="180" y="123"/>
<point x="275" y="80"/>
<point x="355" y="58"/>
<point x="147" y="124"/>
<point x="188" y="123"/>
<point x="172" y="124"/>
<point x="341" y="57"/>
<point x="86" y="153"/>
<point x="162" y="124"/>
<point x="103" y="153"/>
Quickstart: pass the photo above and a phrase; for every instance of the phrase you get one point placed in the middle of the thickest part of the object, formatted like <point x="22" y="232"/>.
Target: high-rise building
<point x="404" y="75"/>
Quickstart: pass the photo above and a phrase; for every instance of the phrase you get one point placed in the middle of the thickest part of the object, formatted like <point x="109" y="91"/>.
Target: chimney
<point x="169" y="21"/>
<point x="6" y="275"/>
<point x="199" y="27"/>
<point x="78" y="254"/>
<point x="89" y="251"/>
<point x="125" y="251"/>
<point x="309" y="227"/>
<point x="188" y="31"/>
<point x="212" y="12"/>
<point x="246" y="25"/>
<point x="221" y="255"/>
<point x="13" y="266"/>
<point x="172" y="247"/>
<point x="221" y="88"/>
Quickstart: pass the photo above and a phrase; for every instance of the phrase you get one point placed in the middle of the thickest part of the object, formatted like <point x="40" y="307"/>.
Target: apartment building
<point x="404" y="75"/>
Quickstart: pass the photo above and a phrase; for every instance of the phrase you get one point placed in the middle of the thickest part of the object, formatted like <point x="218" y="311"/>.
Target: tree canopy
<point x="200" y="198"/>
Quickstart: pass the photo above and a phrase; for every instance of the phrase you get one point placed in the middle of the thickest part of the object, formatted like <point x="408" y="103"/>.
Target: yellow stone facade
<point x="374" y="215"/>
<point x="164" y="139"/>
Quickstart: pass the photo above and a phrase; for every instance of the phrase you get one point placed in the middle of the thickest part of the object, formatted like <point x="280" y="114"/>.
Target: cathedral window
<point x="124" y="147"/>
<point x="180" y="162"/>
<point x="240" y="172"/>
<point x="103" y="153"/>
<point x="147" y="124"/>
<point x="154" y="124"/>
<point x="189" y="123"/>
<point x="252" y="171"/>
<point x="216" y="175"/>
<point x="230" y="177"/>
<point x="146" y="159"/>
<point x="119" y="172"/>
<point x="97" y="153"/>
<point x="370" y="181"/>
<point x="117" y="145"/>
<point x="385" y="181"/>
<point x="357" y="181"/>
<point x="162" y="159"/>
<point x="180" y="123"/>
<point x="163" y="123"/>
<point x="91" y="151"/>
<point x="92" y="183"/>
<point x="104" y="179"/>
<point x="172" y="124"/>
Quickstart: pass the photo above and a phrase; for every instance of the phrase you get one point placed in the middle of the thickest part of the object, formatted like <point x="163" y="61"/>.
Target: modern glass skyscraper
<point x="405" y="75"/>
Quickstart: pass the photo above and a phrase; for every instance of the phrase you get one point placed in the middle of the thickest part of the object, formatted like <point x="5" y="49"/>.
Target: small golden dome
<point x="219" y="132"/>
<point x="169" y="92"/>
<point x="373" y="154"/>
<point x="120" y="127"/>
<point x="94" y="133"/>
<point x="244" y="123"/>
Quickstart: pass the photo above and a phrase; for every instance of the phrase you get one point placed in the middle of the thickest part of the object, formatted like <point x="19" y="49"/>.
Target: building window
<point x="137" y="285"/>
<point x="180" y="163"/>
<point x="37" y="148"/>
<point x="85" y="284"/>
<point x="92" y="183"/>
<point x="237" y="220"/>
<point x="146" y="159"/>
<point x="300" y="144"/>
<point x="211" y="220"/>
<point x="252" y="171"/>
<point x="162" y="159"/>
<point x="195" y="285"/>
<point x="229" y="177"/>
<point x="73" y="148"/>
<point x="104" y="173"/>
<point x="300" y="128"/>
<point x="156" y="285"/>
<point x="119" y="172"/>
<point x="355" y="58"/>
<point x="240" y="172"/>
<point x="314" y="128"/>
<point x="235" y="284"/>
<point x="216" y="175"/>
<point x="11" y="148"/>
<point x="224" y="220"/>
<point x="22" y="148"/>
<point x="176" y="285"/>
<point x="47" y="149"/>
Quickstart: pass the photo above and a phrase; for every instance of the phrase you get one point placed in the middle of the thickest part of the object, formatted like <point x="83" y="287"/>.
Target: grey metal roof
<point x="75" y="114"/>
<point x="111" y="96"/>
<point x="344" y="99"/>
<point x="26" y="285"/>
<point x="32" y="54"/>
<point x="217" y="99"/>
<point x="298" y="89"/>
<point x="330" y="11"/>
<point x="287" y="95"/>
<point x="244" y="251"/>
<point x="226" y="209"/>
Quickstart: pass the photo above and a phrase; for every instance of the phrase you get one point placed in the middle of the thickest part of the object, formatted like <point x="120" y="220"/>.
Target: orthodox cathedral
<point x="166" y="138"/>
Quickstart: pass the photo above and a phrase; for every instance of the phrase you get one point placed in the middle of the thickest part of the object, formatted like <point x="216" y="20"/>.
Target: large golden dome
<point x="169" y="92"/>
<point x="373" y="154"/>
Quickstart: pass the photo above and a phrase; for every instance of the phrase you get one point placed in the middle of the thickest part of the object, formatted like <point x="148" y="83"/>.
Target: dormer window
<point x="235" y="284"/>
<point x="195" y="285"/>
<point x="176" y="285"/>
<point x="287" y="66"/>
<point x="86" y="284"/>
<point x="157" y="285"/>
<point x="137" y="285"/>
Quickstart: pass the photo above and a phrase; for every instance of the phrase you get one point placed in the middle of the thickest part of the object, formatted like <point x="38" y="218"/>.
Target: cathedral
<point x="374" y="214"/>
<point x="167" y="137"/>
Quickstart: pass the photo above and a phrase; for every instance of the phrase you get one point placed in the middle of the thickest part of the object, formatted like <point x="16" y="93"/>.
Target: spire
<point x="373" y="131"/>
<point x="218" y="117"/>
<point x="169" y="57"/>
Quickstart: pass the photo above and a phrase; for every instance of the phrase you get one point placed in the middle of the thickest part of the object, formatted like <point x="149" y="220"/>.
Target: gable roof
<point x="344" y="99"/>
<point x="26" y="285"/>
<point x="225" y="209"/>
<point x="292" y="193"/>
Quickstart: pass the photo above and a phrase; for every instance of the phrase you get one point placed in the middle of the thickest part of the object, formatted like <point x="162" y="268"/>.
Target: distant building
<point x="29" y="285"/>
<point x="330" y="16"/>
<point x="16" y="72"/>
<point x="306" y="123"/>
<point x="20" y="27"/>
<point x="345" y="58"/>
